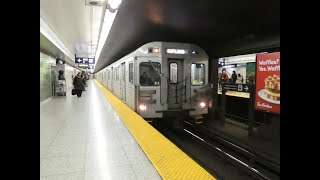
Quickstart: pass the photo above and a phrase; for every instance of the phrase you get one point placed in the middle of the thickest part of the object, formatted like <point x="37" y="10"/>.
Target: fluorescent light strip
<point x="95" y="29"/>
<point x="242" y="58"/>
<point x="106" y="26"/>
<point x="51" y="36"/>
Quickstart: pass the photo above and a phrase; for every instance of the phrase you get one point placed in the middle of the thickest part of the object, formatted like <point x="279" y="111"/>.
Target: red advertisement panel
<point x="268" y="82"/>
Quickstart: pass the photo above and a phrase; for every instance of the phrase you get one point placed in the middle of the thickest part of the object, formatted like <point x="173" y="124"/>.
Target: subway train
<point x="164" y="81"/>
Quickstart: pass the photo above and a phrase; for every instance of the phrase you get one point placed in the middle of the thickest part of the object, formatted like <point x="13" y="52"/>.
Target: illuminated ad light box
<point x="267" y="97"/>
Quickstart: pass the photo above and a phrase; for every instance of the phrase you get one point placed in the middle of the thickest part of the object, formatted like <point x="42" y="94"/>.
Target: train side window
<point x="150" y="73"/>
<point x="131" y="72"/>
<point x="114" y="74"/>
<point x="197" y="74"/>
<point x="107" y="74"/>
<point x="118" y="73"/>
<point x="173" y="73"/>
<point x="119" y="79"/>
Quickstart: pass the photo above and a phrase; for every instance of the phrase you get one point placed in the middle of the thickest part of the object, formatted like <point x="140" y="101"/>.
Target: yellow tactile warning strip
<point x="171" y="162"/>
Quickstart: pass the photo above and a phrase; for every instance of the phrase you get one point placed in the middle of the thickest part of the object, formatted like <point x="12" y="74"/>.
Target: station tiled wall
<point x="49" y="73"/>
<point x="47" y="76"/>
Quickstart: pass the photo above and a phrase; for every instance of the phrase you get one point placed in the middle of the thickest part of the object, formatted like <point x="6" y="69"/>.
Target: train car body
<point x="160" y="80"/>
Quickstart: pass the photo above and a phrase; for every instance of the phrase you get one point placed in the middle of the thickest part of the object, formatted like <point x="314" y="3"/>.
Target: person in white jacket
<point x="239" y="79"/>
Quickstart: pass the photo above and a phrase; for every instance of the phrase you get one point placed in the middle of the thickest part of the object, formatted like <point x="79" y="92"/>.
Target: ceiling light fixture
<point x="115" y="3"/>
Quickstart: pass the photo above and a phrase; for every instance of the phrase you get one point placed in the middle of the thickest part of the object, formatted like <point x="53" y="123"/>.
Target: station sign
<point x="230" y="66"/>
<point x="86" y="66"/>
<point x="91" y="66"/>
<point x="83" y="65"/>
<point x="236" y="87"/>
<point x="84" y="60"/>
<point x="267" y="96"/>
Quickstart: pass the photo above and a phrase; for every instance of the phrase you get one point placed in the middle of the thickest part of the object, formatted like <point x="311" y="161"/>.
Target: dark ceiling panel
<point x="221" y="27"/>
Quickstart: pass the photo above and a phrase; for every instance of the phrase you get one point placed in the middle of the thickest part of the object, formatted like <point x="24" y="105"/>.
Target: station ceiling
<point x="222" y="28"/>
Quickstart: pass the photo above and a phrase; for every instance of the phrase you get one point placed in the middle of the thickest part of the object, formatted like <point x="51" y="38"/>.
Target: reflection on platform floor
<point x="84" y="138"/>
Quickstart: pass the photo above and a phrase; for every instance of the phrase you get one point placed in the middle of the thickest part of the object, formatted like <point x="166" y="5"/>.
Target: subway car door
<point x="123" y="81"/>
<point x="175" y="83"/>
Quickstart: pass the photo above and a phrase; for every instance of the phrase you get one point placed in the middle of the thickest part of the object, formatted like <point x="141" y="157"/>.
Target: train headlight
<point x="202" y="105"/>
<point x="155" y="50"/>
<point x="142" y="107"/>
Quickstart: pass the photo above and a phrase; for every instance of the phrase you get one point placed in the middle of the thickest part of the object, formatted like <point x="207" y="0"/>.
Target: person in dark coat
<point x="83" y="76"/>
<point x="78" y="84"/>
<point x="61" y="75"/>
<point x="234" y="77"/>
<point x="145" y="80"/>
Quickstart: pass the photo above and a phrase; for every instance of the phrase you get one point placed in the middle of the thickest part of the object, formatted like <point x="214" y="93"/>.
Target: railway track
<point x="245" y="164"/>
<point x="253" y="164"/>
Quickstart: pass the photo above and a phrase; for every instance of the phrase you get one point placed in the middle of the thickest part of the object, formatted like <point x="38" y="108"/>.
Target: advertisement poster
<point x="268" y="82"/>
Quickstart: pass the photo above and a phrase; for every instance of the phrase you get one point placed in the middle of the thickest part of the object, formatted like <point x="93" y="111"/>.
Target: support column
<point x="213" y="79"/>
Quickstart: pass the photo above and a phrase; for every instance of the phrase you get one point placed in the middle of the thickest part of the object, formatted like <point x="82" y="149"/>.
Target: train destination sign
<point x="177" y="51"/>
<point x="236" y="87"/>
<point x="84" y="60"/>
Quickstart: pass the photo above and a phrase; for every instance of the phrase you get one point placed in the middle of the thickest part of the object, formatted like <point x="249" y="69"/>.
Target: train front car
<point x="148" y="68"/>
<point x="173" y="79"/>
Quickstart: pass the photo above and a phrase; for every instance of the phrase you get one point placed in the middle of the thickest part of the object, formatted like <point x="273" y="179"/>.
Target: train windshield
<point x="197" y="74"/>
<point x="150" y="73"/>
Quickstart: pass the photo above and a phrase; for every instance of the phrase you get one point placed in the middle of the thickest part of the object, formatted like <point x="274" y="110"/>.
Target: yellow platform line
<point x="170" y="162"/>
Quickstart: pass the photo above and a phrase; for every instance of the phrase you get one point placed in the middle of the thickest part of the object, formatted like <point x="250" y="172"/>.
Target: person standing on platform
<point x="219" y="81"/>
<point x="61" y="75"/>
<point x="239" y="79"/>
<point x="224" y="76"/>
<point x="234" y="77"/>
<point x="78" y="84"/>
<point x="83" y="76"/>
